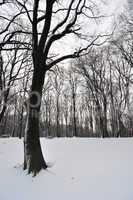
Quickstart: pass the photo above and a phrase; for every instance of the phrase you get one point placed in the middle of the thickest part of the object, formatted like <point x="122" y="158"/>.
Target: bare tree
<point x="10" y="74"/>
<point x="73" y="82"/>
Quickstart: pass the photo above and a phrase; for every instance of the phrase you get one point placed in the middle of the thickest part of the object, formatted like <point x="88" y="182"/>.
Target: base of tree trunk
<point x="34" y="161"/>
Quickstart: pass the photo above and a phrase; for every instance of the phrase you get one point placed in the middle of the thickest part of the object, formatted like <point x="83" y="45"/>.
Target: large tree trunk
<point x="33" y="157"/>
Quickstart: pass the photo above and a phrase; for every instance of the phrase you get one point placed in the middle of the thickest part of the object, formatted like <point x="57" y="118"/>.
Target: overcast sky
<point x="115" y="5"/>
<point x="110" y="8"/>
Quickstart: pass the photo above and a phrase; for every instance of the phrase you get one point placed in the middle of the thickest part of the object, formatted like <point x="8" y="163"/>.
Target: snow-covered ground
<point x="83" y="169"/>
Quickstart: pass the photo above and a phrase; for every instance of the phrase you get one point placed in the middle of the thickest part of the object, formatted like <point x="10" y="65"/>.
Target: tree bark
<point x="33" y="157"/>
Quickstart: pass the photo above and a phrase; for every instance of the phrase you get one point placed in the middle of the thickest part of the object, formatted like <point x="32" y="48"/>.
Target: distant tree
<point x="93" y="69"/>
<point x="73" y="84"/>
<point x="57" y="85"/>
<point x="10" y="68"/>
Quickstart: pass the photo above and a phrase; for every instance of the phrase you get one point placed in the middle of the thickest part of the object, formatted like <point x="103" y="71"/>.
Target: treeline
<point x="92" y="97"/>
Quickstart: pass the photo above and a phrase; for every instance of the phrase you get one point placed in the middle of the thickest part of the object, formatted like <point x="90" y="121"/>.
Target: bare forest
<point x="61" y="78"/>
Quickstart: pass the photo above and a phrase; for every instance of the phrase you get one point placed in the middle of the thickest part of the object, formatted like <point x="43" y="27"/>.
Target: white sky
<point x="112" y="9"/>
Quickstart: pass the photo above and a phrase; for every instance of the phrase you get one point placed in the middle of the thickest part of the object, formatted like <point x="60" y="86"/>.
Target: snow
<point x="95" y="169"/>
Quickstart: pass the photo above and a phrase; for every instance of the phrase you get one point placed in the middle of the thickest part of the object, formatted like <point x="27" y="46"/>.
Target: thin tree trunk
<point x="74" y="116"/>
<point x="4" y="108"/>
<point x="57" y="118"/>
<point x="105" y="129"/>
<point x="21" y="124"/>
